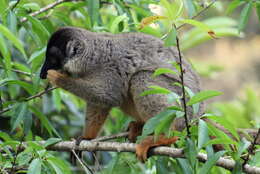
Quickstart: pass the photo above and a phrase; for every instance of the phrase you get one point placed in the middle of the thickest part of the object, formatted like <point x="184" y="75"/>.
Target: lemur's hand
<point x="56" y="78"/>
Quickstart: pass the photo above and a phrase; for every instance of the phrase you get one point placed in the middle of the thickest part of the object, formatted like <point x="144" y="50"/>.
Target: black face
<point x="53" y="60"/>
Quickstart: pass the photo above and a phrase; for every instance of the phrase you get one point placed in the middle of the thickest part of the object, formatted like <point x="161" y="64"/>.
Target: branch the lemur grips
<point x="110" y="70"/>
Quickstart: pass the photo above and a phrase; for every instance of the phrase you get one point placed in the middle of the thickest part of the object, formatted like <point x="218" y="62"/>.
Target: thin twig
<point x="182" y="71"/>
<point x="29" y="98"/>
<point x="85" y="167"/>
<point x="46" y="8"/>
<point x="199" y="13"/>
<point x="16" y="3"/>
<point x="19" y="71"/>
<point x="111" y="137"/>
<point x="12" y="170"/>
<point x="251" y="149"/>
<point x="40" y="93"/>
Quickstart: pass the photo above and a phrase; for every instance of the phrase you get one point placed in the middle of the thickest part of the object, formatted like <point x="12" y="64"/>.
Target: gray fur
<point x="112" y="70"/>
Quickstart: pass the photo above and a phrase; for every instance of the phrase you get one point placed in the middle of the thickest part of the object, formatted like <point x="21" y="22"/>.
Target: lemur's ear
<point x="53" y="60"/>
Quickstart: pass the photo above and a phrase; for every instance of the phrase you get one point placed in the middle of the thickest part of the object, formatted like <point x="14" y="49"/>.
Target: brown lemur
<point x="110" y="70"/>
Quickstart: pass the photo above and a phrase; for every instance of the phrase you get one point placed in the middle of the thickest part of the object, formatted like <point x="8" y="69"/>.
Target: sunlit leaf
<point x="160" y="71"/>
<point x="46" y="123"/>
<point x="51" y="141"/>
<point x="151" y="124"/>
<point x="93" y="11"/>
<point x="203" y="95"/>
<point x="20" y="116"/>
<point x="211" y="162"/>
<point x="164" y="124"/>
<point x="39" y="29"/>
<point x="243" y="20"/>
<point x="115" y="23"/>
<point x="155" y="90"/>
<point x="191" y="152"/>
<point x="258" y="11"/>
<point x="183" y="163"/>
<point x="35" y="166"/>
<point x="9" y="35"/>
<point x="28" y="87"/>
<point x="190" y="7"/>
<point x="233" y="5"/>
<point x="203" y="136"/>
<point x="170" y="39"/>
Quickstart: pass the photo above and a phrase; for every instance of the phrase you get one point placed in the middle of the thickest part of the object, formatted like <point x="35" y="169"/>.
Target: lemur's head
<point x="64" y="47"/>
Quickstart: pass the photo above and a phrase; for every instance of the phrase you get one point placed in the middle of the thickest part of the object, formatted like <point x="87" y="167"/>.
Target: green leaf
<point x="115" y="23"/>
<point x="243" y="146"/>
<point x="44" y="121"/>
<point x="170" y="40"/>
<point x="3" y="6"/>
<point x="35" y="166"/>
<point x="191" y="152"/>
<point x="28" y="87"/>
<point x="39" y="29"/>
<point x="151" y="31"/>
<point x="5" y="136"/>
<point x="227" y="125"/>
<point x="151" y="124"/>
<point x="5" y="53"/>
<point x="186" y="169"/>
<point x="36" y="59"/>
<point x="244" y="16"/>
<point x="32" y="6"/>
<point x="211" y="162"/>
<point x="203" y="136"/>
<point x="258" y="10"/>
<point x="190" y="7"/>
<point x="143" y="12"/>
<point x="59" y="166"/>
<point x="173" y="10"/>
<point x="164" y="124"/>
<point x="167" y="6"/>
<point x="27" y="122"/>
<point x="93" y="11"/>
<point x="155" y="90"/>
<point x="51" y="141"/>
<point x="226" y="140"/>
<point x="203" y="95"/>
<point x="56" y="98"/>
<point x="200" y="25"/>
<point x="160" y="71"/>
<point x="176" y="108"/>
<point x="21" y="112"/>
<point x="10" y="36"/>
<point x="238" y="169"/>
<point x="233" y="5"/>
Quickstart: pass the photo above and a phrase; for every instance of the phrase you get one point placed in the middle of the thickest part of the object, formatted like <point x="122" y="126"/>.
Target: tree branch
<point x="182" y="71"/>
<point x="30" y="98"/>
<point x="228" y="164"/>
<point x="46" y="8"/>
<point x="199" y="13"/>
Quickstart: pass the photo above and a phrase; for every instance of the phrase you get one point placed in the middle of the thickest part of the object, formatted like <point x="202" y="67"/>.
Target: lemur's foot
<point x="149" y="142"/>
<point x="56" y="78"/>
<point x="135" y="129"/>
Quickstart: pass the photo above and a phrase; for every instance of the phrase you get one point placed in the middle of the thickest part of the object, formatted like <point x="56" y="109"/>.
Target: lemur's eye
<point x="73" y="47"/>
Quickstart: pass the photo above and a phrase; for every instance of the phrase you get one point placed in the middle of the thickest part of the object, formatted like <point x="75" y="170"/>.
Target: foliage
<point x="60" y="114"/>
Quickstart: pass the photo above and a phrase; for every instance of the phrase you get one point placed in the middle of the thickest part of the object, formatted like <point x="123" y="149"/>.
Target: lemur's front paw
<point x="56" y="78"/>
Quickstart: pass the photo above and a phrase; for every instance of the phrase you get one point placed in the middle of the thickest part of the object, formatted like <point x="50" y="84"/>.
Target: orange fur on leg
<point x="148" y="142"/>
<point x="135" y="129"/>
